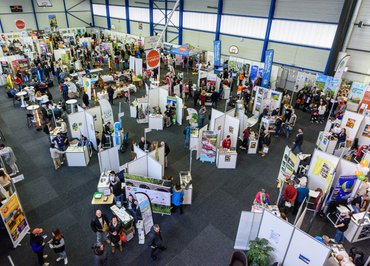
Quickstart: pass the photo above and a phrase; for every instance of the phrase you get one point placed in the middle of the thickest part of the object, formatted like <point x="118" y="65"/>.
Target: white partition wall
<point x="214" y="114"/>
<point x="278" y="232"/>
<point x="96" y="113"/>
<point x="109" y="160"/>
<point x="90" y="129"/>
<point x="248" y="229"/>
<point x="179" y="110"/>
<point x="139" y="152"/>
<point x="138" y="167"/>
<point x="77" y="124"/>
<point x="363" y="133"/>
<point x="160" y="155"/>
<point x="154" y="169"/>
<point x="231" y="128"/>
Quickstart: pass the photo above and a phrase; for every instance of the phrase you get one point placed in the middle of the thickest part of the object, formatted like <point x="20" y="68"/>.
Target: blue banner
<point x="343" y="188"/>
<point x="254" y="73"/>
<point x="269" y="57"/>
<point x="217" y="53"/>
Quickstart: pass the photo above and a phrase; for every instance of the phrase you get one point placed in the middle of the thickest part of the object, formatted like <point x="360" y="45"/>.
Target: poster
<point x="171" y="101"/>
<point x="366" y="132"/>
<point x="324" y="169"/>
<point x="14" y="219"/>
<point x="53" y="22"/>
<point x="355" y="95"/>
<point x="321" y="81"/>
<point x="289" y="164"/>
<point x="331" y="86"/>
<point x="343" y="188"/>
<point x="217" y="53"/>
<point x="269" y="57"/>
<point x="366" y="99"/>
<point x="209" y="146"/>
<point x="146" y="211"/>
<point x="152" y="59"/>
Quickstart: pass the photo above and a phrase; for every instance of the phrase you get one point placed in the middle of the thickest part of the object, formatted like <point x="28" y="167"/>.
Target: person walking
<point x="196" y="97"/>
<point x="214" y="98"/>
<point x="58" y="245"/>
<point x="55" y="155"/>
<point x="298" y="141"/>
<point x="202" y="116"/>
<point x="115" y="233"/>
<point x="246" y="134"/>
<point x="177" y="198"/>
<point x="38" y="244"/>
<point x="8" y="156"/>
<point x="100" y="258"/>
<point x="155" y="241"/>
<point x="100" y="226"/>
<point x="341" y="227"/>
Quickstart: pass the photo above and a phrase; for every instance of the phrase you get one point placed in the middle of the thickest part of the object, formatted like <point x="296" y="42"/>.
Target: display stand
<point x="359" y="228"/>
<point x="156" y="122"/>
<point x="326" y="142"/>
<point x="226" y="159"/>
<point x="77" y="156"/>
<point x="186" y="182"/>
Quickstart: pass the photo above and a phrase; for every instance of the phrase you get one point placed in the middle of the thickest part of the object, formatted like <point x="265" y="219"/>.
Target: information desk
<point x="226" y="159"/>
<point x="77" y="156"/>
<point x="326" y="142"/>
<point x="186" y="182"/>
<point x="156" y="122"/>
<point x="272" y="208"/>
<point x="359" y="228"/>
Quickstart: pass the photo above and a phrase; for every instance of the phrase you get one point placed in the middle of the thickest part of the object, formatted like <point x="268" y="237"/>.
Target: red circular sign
<point x="152" y="58"/>
<point x="20" y="24"/>
<point x="182" y="49"/>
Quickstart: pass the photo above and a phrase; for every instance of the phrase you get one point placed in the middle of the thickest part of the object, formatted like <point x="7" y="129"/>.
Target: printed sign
<point x="146" y="210"/>
<point x="217" y="53"/>
<point x="269" y="57"/>
<point x="20" y="24"/>
<point x="343" y="188"/>
<point x="152" y="59"/>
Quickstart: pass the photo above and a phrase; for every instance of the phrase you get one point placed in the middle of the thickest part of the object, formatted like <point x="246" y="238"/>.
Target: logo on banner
<point x="182" y="49"/>
<point x="20" y="24"/>
<point x="341" y="67"/>
<point x="269" y="57"/>
<point x="152" y="59"/>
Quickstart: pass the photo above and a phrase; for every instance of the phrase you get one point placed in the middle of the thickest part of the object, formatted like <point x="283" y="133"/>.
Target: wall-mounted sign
<point x="233" y="49"/>
<point x="20" y="24"/>
<point x="16" y="9"/>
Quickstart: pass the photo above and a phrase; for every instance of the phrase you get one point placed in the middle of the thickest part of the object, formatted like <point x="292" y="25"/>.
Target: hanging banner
<point x="209" y="146"/>
<point x="254" y="73"/>
<point x="20" y="24"/>
<point x="355" y="96"/>
<point x="343" y="188"/>
<point x="106" y="111"/>
<point x="365" y="103"/>
<point x="150" y="42"/>
<point x="321" y="81"/>
<point x="87" y="86"/>
<point x="331" y="87"/>
<point x="146" y="210"/>
<point x="269" y="57"/>
<point x="53" y="22"/>
<point x="217" y="53"/>
<point x="152" y="59"/>
<point x="341" y="67"/>
<point x="15" y="220"/>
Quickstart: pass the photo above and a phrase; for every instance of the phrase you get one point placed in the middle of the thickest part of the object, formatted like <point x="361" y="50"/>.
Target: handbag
<point x="122" y="237"/>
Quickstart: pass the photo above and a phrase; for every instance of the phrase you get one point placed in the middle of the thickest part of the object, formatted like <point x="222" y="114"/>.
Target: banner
<point x="106" y="111"/>
<point x="254" y="73"/>
<point x="87" y="86"/>
<point x="209" y="146"/>
<point x="150" y="42"/>
<point x="321" y="81"/>
<point x="192" y="117"/>
<point x="331" y="86"/>
<point x="152" y="59"/>
<point x="341" y="67"/>
<point x="324" y="169"/>
<point x="343" y="188"/>
<point x="269" y="57"/>
<point x="355" y="96"/>
<point x="14" y="219"/>
<point x="146" y="210"/>
<point x="289" y="164"/>
<point x="53" y="22"/>
<point x="217" y="53"/>
<point x="20" y="24"/>
<point x="366" y="99"/>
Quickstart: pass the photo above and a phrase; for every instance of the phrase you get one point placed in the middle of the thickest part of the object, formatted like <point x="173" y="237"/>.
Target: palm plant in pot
<point x="259" y="252"/>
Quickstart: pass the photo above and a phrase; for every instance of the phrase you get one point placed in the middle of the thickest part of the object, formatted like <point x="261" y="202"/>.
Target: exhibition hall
<point x="185" y="132"/>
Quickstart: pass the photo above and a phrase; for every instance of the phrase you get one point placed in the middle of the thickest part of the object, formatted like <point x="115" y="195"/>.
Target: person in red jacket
<point x="290" y="194"/>
<point x="226" y="143"/>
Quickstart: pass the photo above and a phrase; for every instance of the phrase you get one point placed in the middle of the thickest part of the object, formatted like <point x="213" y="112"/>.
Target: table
<point x="101" y="201"/>
<point x="338" y="249"/>
<point x="226" y="159"/>
<point x="33" y="107"/>
<point x="156" y="122"/>
<point x="272" y="208"/>
<point x="95" y="70"/>
<point x="72" y="103"/>
<point x="21" y="94"/>
<point x="42" y="99"/>
<point x="127" y="220"/>
<point x="359" y="228"/>
<point x="103" y="182"/>
<point x="77" y="156"/>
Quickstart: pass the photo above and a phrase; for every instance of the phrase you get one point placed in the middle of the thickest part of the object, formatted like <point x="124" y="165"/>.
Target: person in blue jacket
<point x="37" y="243"/>
<point x="177" y="198"/>
<point x="302" y="195"/>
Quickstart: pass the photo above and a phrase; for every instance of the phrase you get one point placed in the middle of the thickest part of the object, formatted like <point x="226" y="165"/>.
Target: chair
<point x="238" y="259"/>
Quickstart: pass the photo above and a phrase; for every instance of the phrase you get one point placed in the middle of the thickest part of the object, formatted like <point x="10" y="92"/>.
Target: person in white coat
<point x="55" y="155"/>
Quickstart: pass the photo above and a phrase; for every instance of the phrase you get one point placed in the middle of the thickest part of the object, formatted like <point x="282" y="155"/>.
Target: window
<point x="139" y="14"/>
<point x="200" y="21"/>
<point x="99" y="10"/>
<point x="117" y="12"/>
<point x="244" y="26"/>
<point x="304" y="33"/>
<point x="158" y="17"/>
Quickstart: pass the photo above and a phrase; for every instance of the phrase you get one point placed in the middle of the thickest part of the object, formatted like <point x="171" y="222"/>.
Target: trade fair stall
<point x="266" y="98"/>
<point x="139" y="109"/>
<point x="151" y="164"/>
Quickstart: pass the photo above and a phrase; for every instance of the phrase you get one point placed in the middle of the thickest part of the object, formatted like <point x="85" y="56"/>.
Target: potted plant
<point x="259" y="252"/>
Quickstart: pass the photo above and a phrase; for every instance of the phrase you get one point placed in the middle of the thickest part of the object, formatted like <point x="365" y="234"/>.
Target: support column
<point x="108" y="14"/>
<point x="165" y="19"/>
<point x="151" y="23"/>
<point x="34" y="14"/>
<point x="127" y="9"/>
<point x="65" y="12"/>
<point x="1" y="26"/>
<point x="268" y="29"/>
<point x="92" y="14"/>
<point x="181" y="20"/>
<point x="344" y="22"/>
<point x="219" y="16"/>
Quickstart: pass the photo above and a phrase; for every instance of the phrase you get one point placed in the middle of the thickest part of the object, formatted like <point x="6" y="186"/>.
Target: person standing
<point x="196" y="97"/>
<point x="100" y="258"/>
<point x="187" y="136"/>
<point x="298" y="141"/>
<point x="262" y="198"/>
<point x="202" y="116"/>
<point x="177" y="198"/>
<point x="246" y="134"/>
<point x="110" y="91"/>
<point x="166" y="152"/>
<point x="116" y="188"/>
<point x="214" y="98"/>
<point x="289" y="195"/>
<point x="85" y="99"/>
<point x="6" y="182"/>
<point x="100" y="226"/>
<point x="155" y="241"/>
<point x="8" y="156"/>
<point x="144" y="144"/>
<point x="226" y="143"/>
<point x="38" y="244"/>
<point x="58" y="245"/>
<point x="55" y="155"/>
<point x="302" y="195"/>
<point x="342" y="227"/>
<point x="115" y="231"/>
<point x="64" y="89"/>
<point x="132" y="207"/>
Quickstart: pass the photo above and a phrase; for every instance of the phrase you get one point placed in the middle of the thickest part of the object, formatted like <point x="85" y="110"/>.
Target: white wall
<point x="81" y="11"/>
<point x="248" y="49"/>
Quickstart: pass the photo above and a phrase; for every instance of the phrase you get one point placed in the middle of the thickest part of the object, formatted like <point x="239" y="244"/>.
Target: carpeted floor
<point x="203" y="235"/>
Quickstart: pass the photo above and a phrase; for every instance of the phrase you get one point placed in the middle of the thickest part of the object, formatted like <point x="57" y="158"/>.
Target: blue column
<point x="108" y="14"/>
<point x="181" y="18"/>
<point x="151" y="25"/>
<point x="65" y="12"/>
<point x="219" y="16"/>
<point x="1" y="26"/>
<point x="34" y="14"/>
<point x="165" y="19"/>
<point x="92" y="14"/>
<point x="127" y="9"/>
<point x="268" y="29"/>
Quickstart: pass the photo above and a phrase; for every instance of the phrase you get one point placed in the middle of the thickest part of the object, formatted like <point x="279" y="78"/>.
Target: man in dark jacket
<point x="85" y="99"/>
<point x="110" y="94"/>
<point x="116" y="188"/>
<point x="166" y="152"/>
<point x="155" y="240"/>
<point x="100" y="226"/>
<point x="38" y="244"/>
<point x="298" y="141"/>
<point x="101" y="258"/>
